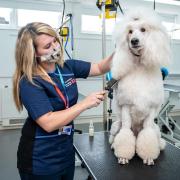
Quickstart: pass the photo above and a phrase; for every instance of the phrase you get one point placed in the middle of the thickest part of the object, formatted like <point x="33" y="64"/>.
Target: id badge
<point x="65" y="130"/>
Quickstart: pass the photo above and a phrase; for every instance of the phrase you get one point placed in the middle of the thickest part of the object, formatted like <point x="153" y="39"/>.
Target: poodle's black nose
<point x="134" y="41"/>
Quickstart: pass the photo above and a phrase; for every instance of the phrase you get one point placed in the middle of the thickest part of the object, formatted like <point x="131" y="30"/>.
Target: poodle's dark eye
<point x="130" y="31"/>
<point x="143" y="29"/>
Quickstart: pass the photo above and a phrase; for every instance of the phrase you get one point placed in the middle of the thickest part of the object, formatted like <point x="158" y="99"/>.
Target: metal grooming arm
<point x="165" y="119"/>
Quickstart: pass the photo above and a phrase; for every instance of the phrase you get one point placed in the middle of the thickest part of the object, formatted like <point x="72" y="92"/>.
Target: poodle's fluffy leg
<point x="147" y="143"/>
<point x="150" y="122"/>
<point x="116" y="125"/>
<point x="124" y="141"/>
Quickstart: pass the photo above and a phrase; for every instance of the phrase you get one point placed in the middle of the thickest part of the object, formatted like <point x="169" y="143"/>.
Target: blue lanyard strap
<point x="63" y="84"/>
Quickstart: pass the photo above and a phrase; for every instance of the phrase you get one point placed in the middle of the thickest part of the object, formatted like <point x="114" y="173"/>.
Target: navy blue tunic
<point x="40" y="152"/>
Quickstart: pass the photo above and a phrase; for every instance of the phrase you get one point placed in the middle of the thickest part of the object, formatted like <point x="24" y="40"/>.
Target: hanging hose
<point x="66" y="46"/>
<point x="72" y="35"/>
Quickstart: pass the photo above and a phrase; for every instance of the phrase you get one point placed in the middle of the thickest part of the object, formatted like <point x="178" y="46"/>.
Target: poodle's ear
<point x="157" y="50"/>
<point x="122" y="63"/>
<point x="122" y="60"/>
<point x="119" y="34"/>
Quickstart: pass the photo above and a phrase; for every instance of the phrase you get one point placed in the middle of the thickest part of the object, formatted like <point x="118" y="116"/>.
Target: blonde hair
<point x="26" y="62"/>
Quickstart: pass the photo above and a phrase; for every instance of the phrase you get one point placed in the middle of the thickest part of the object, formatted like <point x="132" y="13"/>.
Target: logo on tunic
<point x="69" y="82"/>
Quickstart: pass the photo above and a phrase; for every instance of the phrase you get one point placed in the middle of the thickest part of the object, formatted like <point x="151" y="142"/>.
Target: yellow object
<point x="64" y="31"/>
<point x="108" y="2"/>
<point x="110" y="8"/>
<point x="109" y="14"/>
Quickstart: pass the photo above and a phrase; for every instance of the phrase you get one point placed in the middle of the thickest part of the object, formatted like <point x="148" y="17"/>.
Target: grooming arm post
<point x="103" y="56"/>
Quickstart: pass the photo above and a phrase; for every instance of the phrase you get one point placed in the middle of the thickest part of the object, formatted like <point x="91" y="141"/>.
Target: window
<point x="26" y="16"/>
<point x="171" y="2"/>
<point x="169" y="21"/>
<point x="93" y="25"/>
<point x="176" y="33"/>
<point x="173" y="29"/>
<point x="5" y="16"/>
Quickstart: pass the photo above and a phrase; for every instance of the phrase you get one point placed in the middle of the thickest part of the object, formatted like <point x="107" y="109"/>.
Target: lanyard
<point x="64" y="87"/>
<point x="61" y="95"/>
<point x="57" y="90"/>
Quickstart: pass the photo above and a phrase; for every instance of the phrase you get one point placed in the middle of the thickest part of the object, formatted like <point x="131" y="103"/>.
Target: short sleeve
<point x="80" y="68"/>
<point x="34" y="99"/>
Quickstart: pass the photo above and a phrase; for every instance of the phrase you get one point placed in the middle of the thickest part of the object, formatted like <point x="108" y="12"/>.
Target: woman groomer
<point x="46" y="86"/>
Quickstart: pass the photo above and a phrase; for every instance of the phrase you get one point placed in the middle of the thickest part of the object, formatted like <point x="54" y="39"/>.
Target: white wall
<point x="87" y="46"/>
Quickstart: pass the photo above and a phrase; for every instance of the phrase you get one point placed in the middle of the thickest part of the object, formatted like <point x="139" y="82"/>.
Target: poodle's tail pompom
<point x="162" y="144"/>
<point x="111" y="139"/>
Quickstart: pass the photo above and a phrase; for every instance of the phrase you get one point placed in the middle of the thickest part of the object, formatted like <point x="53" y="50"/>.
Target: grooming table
<point x="101" y="163"/>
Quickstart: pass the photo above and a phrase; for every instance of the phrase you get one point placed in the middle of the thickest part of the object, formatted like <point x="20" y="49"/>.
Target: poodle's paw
<point x="124" y="145"/>
<point x="111" y="139"/>
<point x="148" y="161"/>
<point x="123" y="160"/>
<point x="147" y="146"/>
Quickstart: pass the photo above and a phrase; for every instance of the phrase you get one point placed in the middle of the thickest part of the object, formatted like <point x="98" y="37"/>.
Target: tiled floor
<point x="9" y="140"/>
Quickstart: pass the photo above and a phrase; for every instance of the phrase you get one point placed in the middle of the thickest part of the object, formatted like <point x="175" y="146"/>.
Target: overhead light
<point x="171" y="2"/>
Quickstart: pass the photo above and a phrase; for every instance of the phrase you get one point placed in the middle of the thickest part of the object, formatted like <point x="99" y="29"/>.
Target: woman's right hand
<point x="94" y="99"/>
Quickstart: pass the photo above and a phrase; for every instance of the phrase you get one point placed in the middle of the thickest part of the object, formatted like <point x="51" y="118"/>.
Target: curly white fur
<point x="142" y="48"/>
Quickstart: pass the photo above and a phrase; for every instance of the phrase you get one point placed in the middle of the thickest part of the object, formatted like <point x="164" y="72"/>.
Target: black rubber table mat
<point x="102" y="164"/>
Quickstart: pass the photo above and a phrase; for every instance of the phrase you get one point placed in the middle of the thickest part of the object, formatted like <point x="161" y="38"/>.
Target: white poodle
<point x="142" y="48"/>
